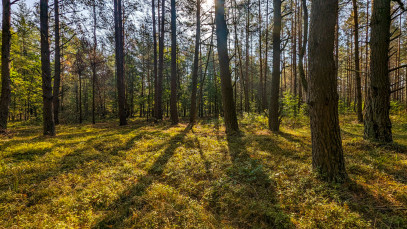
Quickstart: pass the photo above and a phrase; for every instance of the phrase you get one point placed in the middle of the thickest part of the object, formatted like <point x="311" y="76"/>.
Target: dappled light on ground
<point x="161" y="176"/>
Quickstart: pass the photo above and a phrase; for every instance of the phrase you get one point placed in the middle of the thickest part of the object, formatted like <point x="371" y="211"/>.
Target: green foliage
<point x="162" y="176"/>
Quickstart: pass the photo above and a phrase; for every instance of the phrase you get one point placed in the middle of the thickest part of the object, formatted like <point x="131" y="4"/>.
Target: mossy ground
<point x="148" y="175"/>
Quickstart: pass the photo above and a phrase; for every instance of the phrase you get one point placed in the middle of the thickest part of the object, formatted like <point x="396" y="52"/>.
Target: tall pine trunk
<point x="5" y="98"/>
<point x="274" y="121"/>
<point x="48" y="116"/>
<point x="377" y="121"/>
<point x="229" y="108"/>
<point x="196" y="63"/>
<point x="158" y="111"/>
<point x="327" y="152"/>
<point x="173" y="100"/>
<point x="357" y="63"/>
<point x="57" y="65"/>
<point x="94" y="76"/>
<point x="304" y="47"/>
<point x="120" y="61"/>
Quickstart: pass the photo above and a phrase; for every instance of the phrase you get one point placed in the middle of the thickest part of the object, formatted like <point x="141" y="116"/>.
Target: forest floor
<point x="148" y="175"/>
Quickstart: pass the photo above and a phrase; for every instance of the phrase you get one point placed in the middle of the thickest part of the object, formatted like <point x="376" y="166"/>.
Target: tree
<point x="357" y="62"/>
<point x="120" y="61"/>
<point x="173" y="100"/>
<point x="158" y="112"/>
<point x="5" y="66"/>
<point x="57" y="65"/>
<point x="274" y="117"/>
<point x="48" y="116"/>
<point x="196" y="63"/>
<point x="377" y="121"/>
<point x="304" y="46"/>
<point x="155" y="71"/>
<point x="327" y="152"/>
<point x="229" y="109"/>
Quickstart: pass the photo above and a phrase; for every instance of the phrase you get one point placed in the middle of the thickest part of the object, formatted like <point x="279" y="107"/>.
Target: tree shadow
<point x="121" y="208"/>
<point x="246" y="197"/>
<point x="374" y="208"/>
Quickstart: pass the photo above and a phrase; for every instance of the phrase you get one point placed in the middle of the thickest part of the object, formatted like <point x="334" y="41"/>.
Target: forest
<point x="203" y="114"/>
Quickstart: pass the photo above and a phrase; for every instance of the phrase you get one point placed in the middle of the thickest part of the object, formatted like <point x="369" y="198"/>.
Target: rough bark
<point x="327" y="152"/>
<point x="377" y="121"/>
<point x="357" y="63"/>
<point x="196" y="63"/>
<point x="5" y="98"/>
<point x="158" y="112"/>
<point x="155" y="67"/>
<point x="274" y="121"/>
<point x="246" y="80"/>
<point x="229" y="109"/>
<point x="304" y="46"/>
<point x="173" y="100"/>
<point x="57" y="65"/>
<point x="48" y="116"/>
<point x="94" y="76"/>
<point x="120" y="61"/>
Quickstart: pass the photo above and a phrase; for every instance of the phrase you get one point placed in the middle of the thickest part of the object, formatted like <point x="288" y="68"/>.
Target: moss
<point x="163" y="176"/>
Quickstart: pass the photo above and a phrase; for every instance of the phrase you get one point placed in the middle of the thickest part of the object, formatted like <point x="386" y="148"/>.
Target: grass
<point x="161" y="176"/>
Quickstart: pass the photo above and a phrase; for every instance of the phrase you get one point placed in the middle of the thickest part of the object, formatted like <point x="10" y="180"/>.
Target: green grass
<point x="160" y="176"/>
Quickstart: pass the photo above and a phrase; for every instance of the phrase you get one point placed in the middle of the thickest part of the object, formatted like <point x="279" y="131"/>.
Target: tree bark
<point x="377" y="121"/>
<point x="304" y="46"/>
<point x="173" y="100"/>
<point x="5" y="98"/>
<point x="357" y="63"/>
<point x="196" y="63"/>
<point x="274" y="121"/>
<point x="94" y="76"/>
<point x="246" y="80"/>
<point x="327" y="152"/>
<point x="48" y="116"/>
<point x="158" y="112"/>
<point x="120" y="61"/>
<point x="229" y="109"/>
<point x="57" y="65"/>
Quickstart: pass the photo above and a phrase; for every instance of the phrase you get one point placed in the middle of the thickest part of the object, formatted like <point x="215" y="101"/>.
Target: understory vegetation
<point x="147" y="175"/>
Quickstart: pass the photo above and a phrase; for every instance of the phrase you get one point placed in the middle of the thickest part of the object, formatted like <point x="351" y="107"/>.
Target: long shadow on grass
<point x="372" y="207"/>
<point x="247" y="197"/>
<point x="121" y="208"/>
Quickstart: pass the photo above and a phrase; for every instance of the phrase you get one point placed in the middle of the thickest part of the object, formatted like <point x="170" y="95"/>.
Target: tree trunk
<point x="57" y="65"/>
<point x="5" y="98"/>
<point x="48" y="116"/>
<point x="261" y="85"/>
<point x="266" y="61"/>
<point x="274" y="121"/>
<point x="120" y="61"/>
<point x="377" y="121"/>
<point x="94" y="77"/>
<point x="246" y="80"/>
<point x="229" y="109"/>
<point x="196" y="63"/>
<point x="158" y="112"/>
<point x="304" y="47"/>
<point x="357" y="64"/>
<point x="173" y="100"/>
<point x="327" y="152"/>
